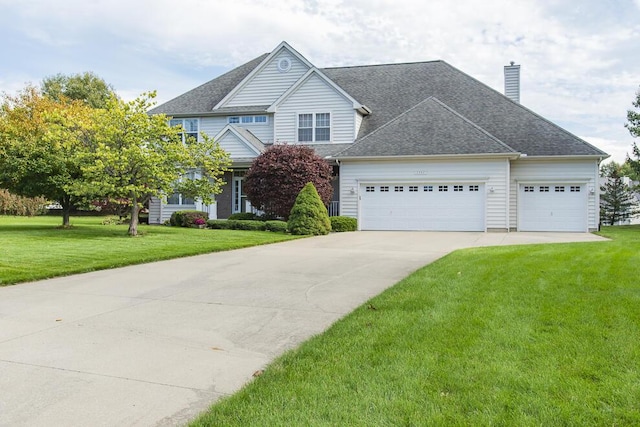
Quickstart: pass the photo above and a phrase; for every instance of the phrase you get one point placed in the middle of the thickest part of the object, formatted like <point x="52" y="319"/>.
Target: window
<point x="246" y="120"/>
<point x="189" y="126"/>
<point x="398" y="188"/>
<point x="314" y="127"/>
<point x="443" y="188"/>
<point x="544" y="189"/>
<point x="428" y="188"/>
<point x="384" y="189"/>
<point x="575" y="188"/>
<point x="413" y="188"/>
<point x="559" y="189"/>
<point x="476" y="188"/>
<point x="305" y="127"/>
<point x="179" y="199"/>
<point x="458" y="188"/>
<point x="370" y="189"/>
<point x="528" y="188"/>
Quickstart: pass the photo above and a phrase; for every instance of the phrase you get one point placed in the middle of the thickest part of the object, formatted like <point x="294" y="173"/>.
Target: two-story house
<point x="415" y="146"/>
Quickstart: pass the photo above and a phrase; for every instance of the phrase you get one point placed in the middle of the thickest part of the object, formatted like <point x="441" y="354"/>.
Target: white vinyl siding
<point x="316" y="96"/>
<point x="269" y="83"/>
<point x="490" y="174"/>
<point x="358" y="123"/>
<point x="556" y="172"/>
<point x="263" y="131"/>
<point x="235" y="147"/>
<point x="155" y="211"/>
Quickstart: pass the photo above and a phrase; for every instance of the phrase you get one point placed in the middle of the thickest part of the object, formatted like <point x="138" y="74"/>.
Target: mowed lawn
<point x="34" y="248"/>
<point x="544" y="335"/>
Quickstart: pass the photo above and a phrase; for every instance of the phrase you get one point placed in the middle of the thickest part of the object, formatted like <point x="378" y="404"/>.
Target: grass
<point x="505" y="336"/>
<point x="34" y="248"/>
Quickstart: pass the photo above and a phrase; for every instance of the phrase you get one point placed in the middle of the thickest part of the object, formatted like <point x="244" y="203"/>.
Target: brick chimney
<point x="512" y="82"/>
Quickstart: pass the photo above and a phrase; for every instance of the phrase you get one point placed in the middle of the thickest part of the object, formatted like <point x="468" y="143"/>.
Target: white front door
<point x="423" y="206"/>
<point x="240" y="202"/>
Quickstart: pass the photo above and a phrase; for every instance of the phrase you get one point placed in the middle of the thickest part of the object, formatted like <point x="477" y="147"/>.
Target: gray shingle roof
<point x="443" y="132"/>
<point x="250" y="137"/>
<point x="203" y="98"/>
<point x="390" y="90"/>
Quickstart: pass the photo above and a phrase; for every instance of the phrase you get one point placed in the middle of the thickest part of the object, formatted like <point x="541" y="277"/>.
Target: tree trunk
<point x="66" y="210"/>
<point x="133" y="223"/>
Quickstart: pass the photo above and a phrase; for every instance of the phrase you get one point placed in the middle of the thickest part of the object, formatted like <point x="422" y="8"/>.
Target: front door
<point x="240" y="202"/>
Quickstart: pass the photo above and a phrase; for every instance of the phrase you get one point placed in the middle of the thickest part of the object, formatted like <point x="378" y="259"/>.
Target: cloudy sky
<point x="580" y="59"/>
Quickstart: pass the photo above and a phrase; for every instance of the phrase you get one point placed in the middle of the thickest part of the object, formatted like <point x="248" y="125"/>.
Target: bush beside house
<point x="188" y="218"/>
<point x="309" y="215"/>
<point x="343" y="223"/>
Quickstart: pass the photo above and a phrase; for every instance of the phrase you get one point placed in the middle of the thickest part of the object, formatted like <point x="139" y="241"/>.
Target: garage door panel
<point x="422" y="207"/>
<point x="552" y="207"/>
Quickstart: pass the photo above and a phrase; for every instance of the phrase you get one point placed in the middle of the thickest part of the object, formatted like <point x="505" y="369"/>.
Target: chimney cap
<point x="513" y="63"/>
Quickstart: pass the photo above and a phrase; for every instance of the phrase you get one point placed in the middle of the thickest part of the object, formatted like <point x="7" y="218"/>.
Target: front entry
<point x="239" y="202"/>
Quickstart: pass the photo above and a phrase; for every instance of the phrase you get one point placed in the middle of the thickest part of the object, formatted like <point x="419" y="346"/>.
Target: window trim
<point x="252" y="117"/>
<point x="314" y="127"/>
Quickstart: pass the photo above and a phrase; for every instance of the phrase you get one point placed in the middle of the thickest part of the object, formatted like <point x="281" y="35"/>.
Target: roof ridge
<point x="473" y="124"/>
<point x="386" y="124"/>
<point x="383" y="65"/>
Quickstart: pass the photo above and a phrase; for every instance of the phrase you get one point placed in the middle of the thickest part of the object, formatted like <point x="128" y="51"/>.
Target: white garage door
<point x="552" y="207"/>
<point x="422" y="206"/>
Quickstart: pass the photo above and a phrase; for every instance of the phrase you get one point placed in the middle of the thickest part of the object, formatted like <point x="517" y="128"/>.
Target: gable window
<point x="246" y="120"/>
<point x="189" y="126"/>
<point x="234" y="119"/>
<point x="260" y="119"/>
<point x="314" y="127"/>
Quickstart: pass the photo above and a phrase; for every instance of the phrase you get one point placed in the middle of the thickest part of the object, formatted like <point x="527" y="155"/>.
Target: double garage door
<point x="423" y="206"/>
<point x="552" y="207"/>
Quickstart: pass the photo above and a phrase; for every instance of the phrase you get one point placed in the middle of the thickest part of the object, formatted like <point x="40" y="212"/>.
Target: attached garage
<point x="431" y="206"/>
<point x="552" y="207"/>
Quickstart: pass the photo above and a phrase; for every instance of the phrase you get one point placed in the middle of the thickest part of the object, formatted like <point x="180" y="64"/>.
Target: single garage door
<point x="422" y="206"/>
<point x="552" y="207"/>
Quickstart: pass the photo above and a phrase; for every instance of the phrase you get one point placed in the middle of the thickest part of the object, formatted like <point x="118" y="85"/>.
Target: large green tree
<point x="617" y="199"/>
<point x="86" y="87"/>
<point x="135" y="156"/>
<point x="40" y="139"/>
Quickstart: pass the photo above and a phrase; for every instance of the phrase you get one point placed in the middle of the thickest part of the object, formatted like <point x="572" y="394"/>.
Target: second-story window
<point x="314" y="127"/>
<point x="190" y="127"/>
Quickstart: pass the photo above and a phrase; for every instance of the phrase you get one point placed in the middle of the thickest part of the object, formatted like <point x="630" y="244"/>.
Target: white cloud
<point x="578" y="61"/>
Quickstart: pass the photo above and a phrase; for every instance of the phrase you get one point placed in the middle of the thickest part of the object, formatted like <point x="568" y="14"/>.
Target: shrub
<point x="218" y="224"/>
<point x="12" y="204"/>
<point x="233" y="224"/>
<point x="187" y="218"/>
<point x="276" y="176"/>
<point x="245" y="216"/>
<point x="276" y="226"/>
<point x="343" y="223"/>
<point x="309" y="215"/>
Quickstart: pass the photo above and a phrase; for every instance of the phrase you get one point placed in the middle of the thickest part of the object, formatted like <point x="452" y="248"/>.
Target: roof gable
<point x="266" y="82"/>
<point x="239" y="142"/>
<point x="330" y="83"/>
<point x="430" y="128"/>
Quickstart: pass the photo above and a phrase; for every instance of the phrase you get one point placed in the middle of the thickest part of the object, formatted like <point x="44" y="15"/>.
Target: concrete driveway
<point x="155" y="344"/>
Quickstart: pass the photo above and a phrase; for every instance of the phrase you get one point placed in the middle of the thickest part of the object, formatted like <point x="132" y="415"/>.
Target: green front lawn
<point x="540" y="335"/>
<point x="34" y="248"/>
